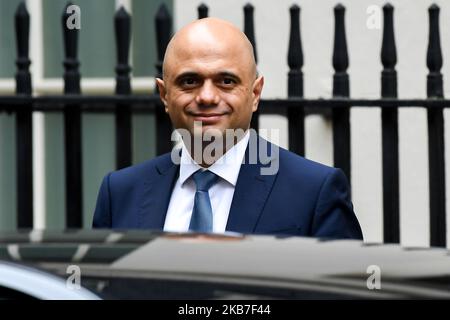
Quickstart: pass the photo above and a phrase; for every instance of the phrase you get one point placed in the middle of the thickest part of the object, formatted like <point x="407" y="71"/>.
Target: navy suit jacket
<point x="303" y="198"/>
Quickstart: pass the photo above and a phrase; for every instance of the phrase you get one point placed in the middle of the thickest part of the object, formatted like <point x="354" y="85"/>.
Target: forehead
<point x="207" y="62"/>
<point x="207" y="52"/>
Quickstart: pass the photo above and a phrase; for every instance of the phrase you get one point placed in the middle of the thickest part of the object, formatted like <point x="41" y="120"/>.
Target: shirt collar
<point x="226" y="167"/>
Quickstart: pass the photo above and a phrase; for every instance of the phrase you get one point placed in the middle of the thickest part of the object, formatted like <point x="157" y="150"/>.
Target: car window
<point x="10" y="294"/>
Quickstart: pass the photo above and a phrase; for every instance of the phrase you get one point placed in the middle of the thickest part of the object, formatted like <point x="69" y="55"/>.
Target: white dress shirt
<point x="221" y="193"/>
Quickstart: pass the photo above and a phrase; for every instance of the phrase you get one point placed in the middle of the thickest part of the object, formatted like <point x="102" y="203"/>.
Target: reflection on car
<point x="108" y="264"/>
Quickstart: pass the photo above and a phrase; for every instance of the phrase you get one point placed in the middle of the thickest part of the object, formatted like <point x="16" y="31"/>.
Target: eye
<point x="189" y="81"/>
<point x="228" y="81"/>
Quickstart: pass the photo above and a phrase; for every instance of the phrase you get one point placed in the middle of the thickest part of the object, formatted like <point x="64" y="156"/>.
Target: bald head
<point x="209" y="77"/>
<point x="211" y="36"/>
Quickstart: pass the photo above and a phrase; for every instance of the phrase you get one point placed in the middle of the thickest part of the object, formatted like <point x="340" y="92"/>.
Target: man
<point x="210" y="84"/>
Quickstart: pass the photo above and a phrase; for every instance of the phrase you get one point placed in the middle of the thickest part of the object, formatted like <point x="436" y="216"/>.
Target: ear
<point x="257" y="89"/>
<point x="162" y="92"/>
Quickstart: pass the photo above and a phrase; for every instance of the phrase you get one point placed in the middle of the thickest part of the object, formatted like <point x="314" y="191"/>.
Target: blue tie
<point x="202" y="218"/>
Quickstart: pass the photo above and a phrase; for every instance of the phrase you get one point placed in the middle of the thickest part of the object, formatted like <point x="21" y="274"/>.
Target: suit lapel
<point x="250" y="194"/>
<point x="157" y="190"/>
<point x="252" y="189"/>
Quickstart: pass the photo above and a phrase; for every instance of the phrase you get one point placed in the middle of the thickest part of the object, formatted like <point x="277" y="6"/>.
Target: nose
<point x="207" y="94"/>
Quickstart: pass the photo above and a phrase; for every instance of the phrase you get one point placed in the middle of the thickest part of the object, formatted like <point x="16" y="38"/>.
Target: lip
<point x="208" y="118"/>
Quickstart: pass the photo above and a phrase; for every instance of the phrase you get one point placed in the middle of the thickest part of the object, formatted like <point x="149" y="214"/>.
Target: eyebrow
<point x="186" y="74"/>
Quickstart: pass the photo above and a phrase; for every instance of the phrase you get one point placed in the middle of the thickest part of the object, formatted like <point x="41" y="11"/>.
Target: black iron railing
<point x="124" y="104"/>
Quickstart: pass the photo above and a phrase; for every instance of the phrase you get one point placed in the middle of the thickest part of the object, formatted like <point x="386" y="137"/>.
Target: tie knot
<point x="204" y="179"/>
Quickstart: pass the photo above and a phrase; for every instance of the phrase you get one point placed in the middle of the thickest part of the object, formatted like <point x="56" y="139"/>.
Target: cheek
<point x="241" y="103"/>
<point x="177" y="103"/>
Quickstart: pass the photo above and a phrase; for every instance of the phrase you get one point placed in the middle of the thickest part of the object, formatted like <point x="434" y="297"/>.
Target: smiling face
<point x="210" y="77"/>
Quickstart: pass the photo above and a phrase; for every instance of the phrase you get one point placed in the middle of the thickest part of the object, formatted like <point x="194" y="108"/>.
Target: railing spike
<point x="389" y="123"/>
<point x="22" y="24"/>
<point x="436" y="143"/>
<point x="296" y="116"/>
<point x="71" y="63"/>
<point x="163" y="26"/>
<point x="122" y="25"/>
<point x="202" y="10"/>
<point x="249" y="27"/>
<point x="24" y="123"/>
<point x="434" y="54"/>
<point x="295" y="52"/>
<point x="72" y="126"/>
<point x="388" y="48"/>
<point x="341" y="88"/>
<point x="340" y="54"/>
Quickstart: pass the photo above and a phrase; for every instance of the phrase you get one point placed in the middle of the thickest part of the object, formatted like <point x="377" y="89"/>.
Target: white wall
<point x="317" y="29"/>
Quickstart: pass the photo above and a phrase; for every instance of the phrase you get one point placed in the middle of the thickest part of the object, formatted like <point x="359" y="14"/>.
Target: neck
<point x="206" y="153"/>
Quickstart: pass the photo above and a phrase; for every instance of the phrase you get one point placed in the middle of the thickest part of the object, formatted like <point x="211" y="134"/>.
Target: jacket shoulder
<point x="140" y="171"/>
<point x="300" y="167"/>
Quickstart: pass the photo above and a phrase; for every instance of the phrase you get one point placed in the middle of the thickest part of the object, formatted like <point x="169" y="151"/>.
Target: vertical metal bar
<point x="24" y="139"/>
<point x="202" y="10"/>
<point x="249" y="27"/>
<point x="341" y="115"/>
<point x="163" y="24"/>
<point x="249" y="30"/>
<point x="389" y="120"/>
<point x="122" y="24"/>
<point x="72" y="127"/>
<point x="436" y="134"/>
<point x="296" y="115"/>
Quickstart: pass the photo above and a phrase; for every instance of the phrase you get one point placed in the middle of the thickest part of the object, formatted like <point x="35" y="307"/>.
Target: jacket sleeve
<point x="334" y="216"/>
<point x="102" y="214"/>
